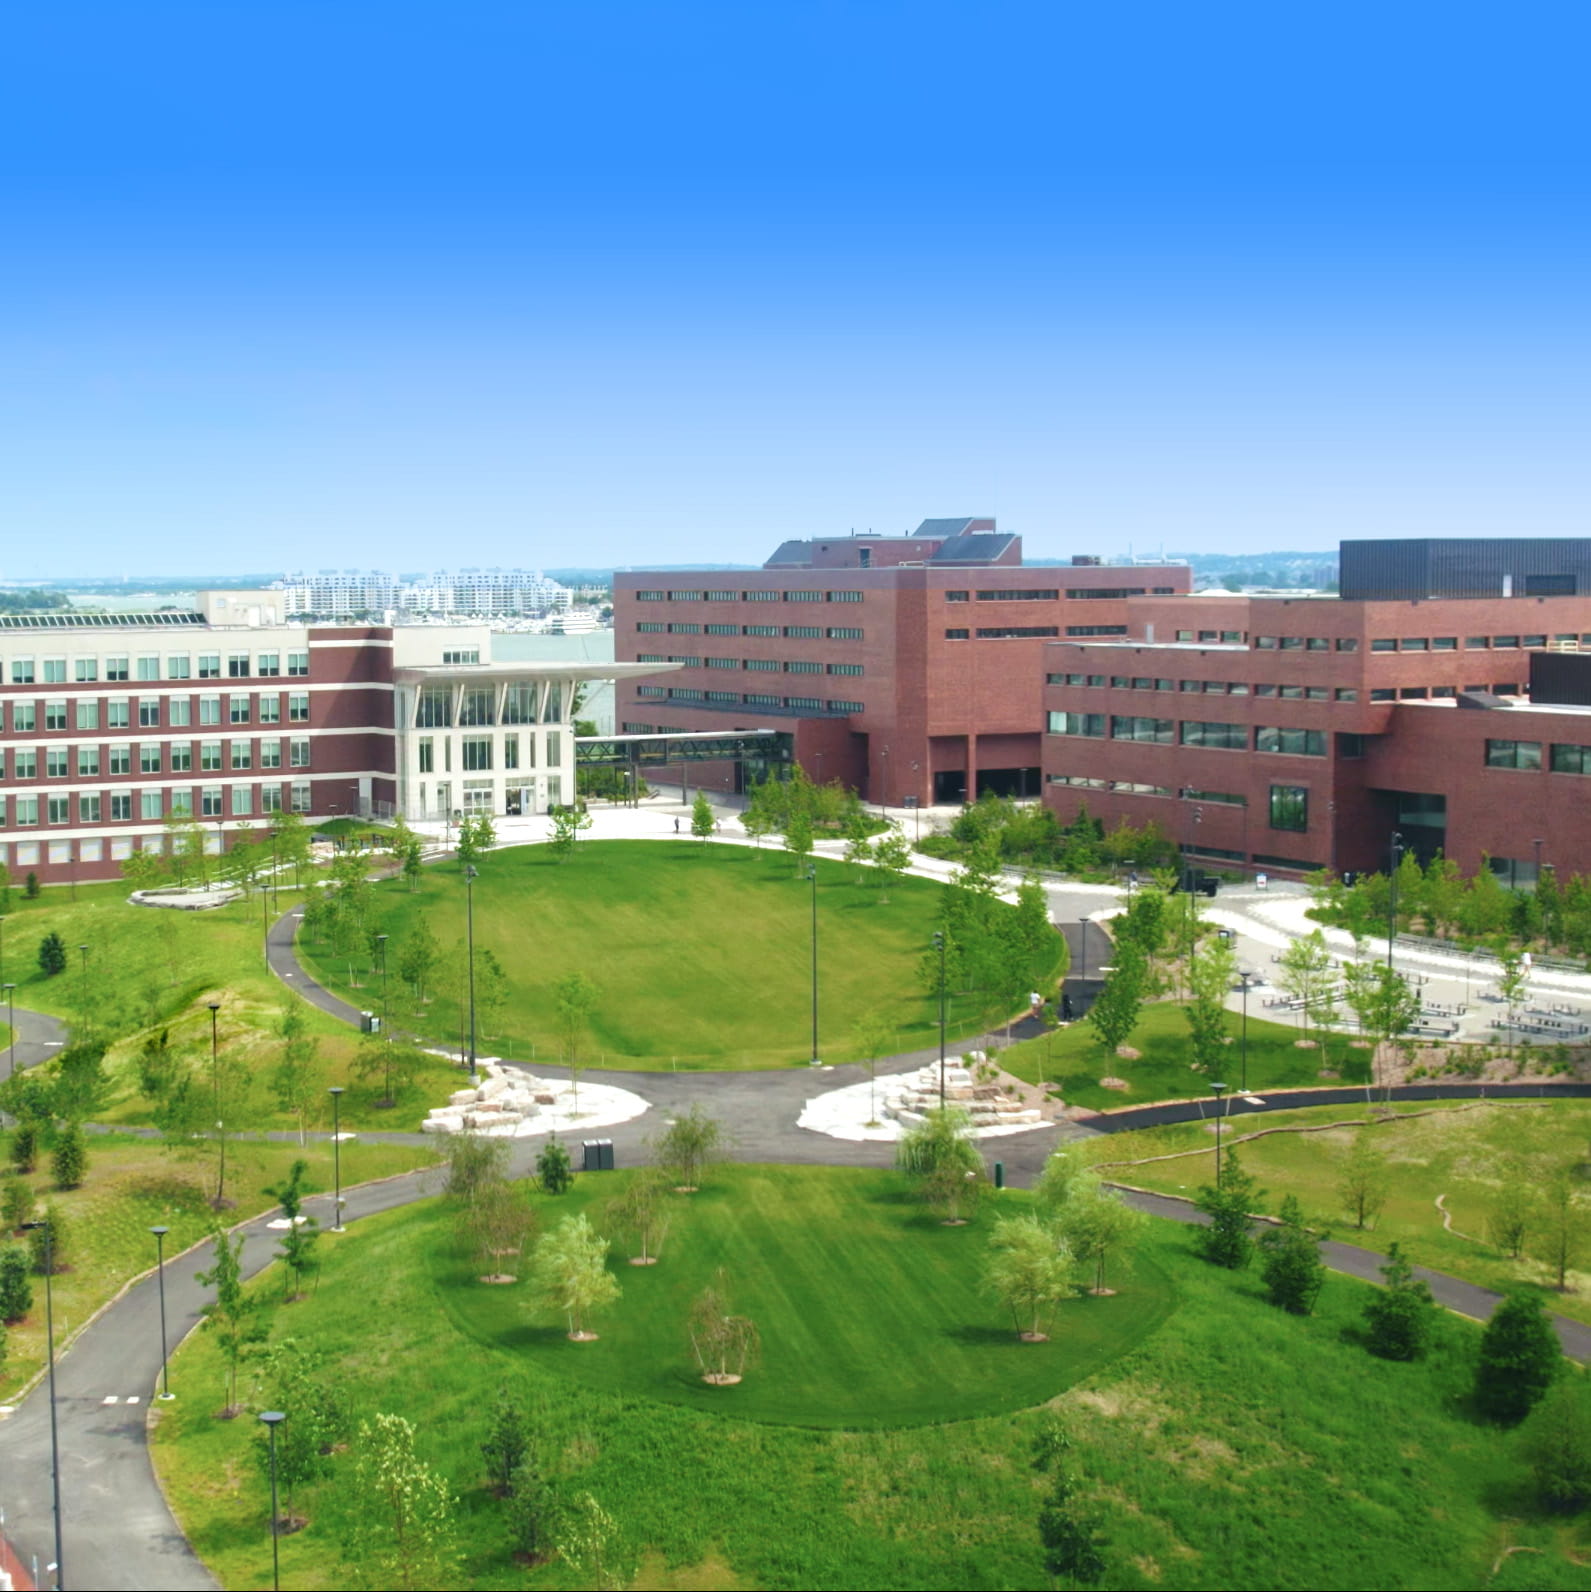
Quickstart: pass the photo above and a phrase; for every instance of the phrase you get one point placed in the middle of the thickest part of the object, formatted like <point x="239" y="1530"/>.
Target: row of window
<point x="476" y="753"/>
<point x="1471" y="643"/>
<point x="154" y="757"/>
<point x="1220" y="637"/>
<point x="151" y="806"/>
<point x="1565" y="757"/>
<point x="764" y="665"/>
<point x="801" y="596"/>
<point x="1288" y="804"/>
<point x="1191" y="732"/>
<point x="478" y="705"/>
<point x="651" y="627"/>
<point x="148" y="666"/>
<point x="84" y="713"/>
<point x="754" y="699"/>
<point x="1292" y="693"/>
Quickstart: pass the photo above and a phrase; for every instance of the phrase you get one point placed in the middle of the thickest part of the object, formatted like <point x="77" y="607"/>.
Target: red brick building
<point x="906" y="666"/>
<point x="1286" y="734"/>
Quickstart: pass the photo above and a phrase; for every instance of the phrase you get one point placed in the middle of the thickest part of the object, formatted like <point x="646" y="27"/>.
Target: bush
<point x="1228" y="1240"/>
<point x="70" y="1159"/>
<point x="52" y="953"/>
<point x="16" y="1203"/>
<point x="25" y="1146"/>
<point x="1401" y="1316"/>
<point x="1292" y="1267"/>
<point x="553" y="1170"/>
<point x="48" y="1243"/>
<point x="1556" y="1444"/>
<point x="30" y="887"/>
<point x="16" y="1292"/>
<point x="1519" y="1359"/>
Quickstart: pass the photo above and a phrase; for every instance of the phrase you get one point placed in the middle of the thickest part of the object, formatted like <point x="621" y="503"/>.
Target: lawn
<point x="148" y="969"/>
<point x="1233" y="1447"/>
<point x="702" y="955"/>
<point x="1071" y="1059"/>
<point x="1459" y="1152"/>
<point x="131" y="1186"/>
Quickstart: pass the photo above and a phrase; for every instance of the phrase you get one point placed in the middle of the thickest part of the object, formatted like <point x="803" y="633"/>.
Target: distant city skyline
<point x="635" y="285"/>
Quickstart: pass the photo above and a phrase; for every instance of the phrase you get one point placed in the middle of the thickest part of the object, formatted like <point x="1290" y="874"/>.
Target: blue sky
<point x="339" y="284"/>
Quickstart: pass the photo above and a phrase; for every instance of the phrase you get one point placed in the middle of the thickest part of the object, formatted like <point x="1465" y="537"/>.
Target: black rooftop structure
<point x="1480" y="566"/>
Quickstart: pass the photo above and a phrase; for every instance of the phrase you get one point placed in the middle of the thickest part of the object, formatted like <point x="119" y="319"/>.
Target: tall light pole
<point x="55" y="1436"/>
<point x="1247" y="976"/>
<point x="83" y="952"/>
<point x="160" y="1272"/>
<point x="1082" y="943"/>
<point x="381" y="954"/>
<point x="1217" y="1089"/>
<point x="273" y="1419"/>
<point x="1392" y="895"/>
<point x="812" y="877"/>
<point x="1538" y="844"/>
<point x="215" y="1055"/>
<point x="469" y="917"/>
<point x="11" y="1028"/>
<point x="884" y="778"/>
<point x="337" y="1156"/>
<point x="939" y="945"/>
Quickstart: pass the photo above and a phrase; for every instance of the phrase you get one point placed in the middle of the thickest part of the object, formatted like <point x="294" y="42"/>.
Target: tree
<point x="298" y="1241"/>
<point x="586" y="1538"/>
<point x="1073" y="1542"/>
<point x="491" y="990"/>
<point x="395" y="1064"/>
<point x="143" y="870"/>
<point x="476" y="835"/>
<point x="16" y="1291"/>
<point x="292" y="1379"/>
<point x="69" y="1161"/>
<point x="1210" y="976"/>
<point x="294" y="1081"/>
<point x="1114" y="1014"/>
<point x="575" y="998"/>
<point x="723" y="1343"/>
<point x="688" y="1146"/>
<point x="1383" y="1000"/>
<point x="798" y="839"/>
<point x="16" y="1203"/>
<point x="1364" y="1181"/>
<point x="30" y="887"/>
<point x="52" y="954"/>
<point x="497" y="1223"/>
<point x="50" y="1241"/>
<point x="939" y="1155"/>
<point x="404" y="1534"/>
<point x="290" y="841"/>
<point x="1290" y="1262"/>
<point x="643" y="1208"/>
<point x="1563" y="1224"/>
<point x="24" y="1150"/>
<point x="757" y="822"/>
<point x="507" y="1443"/>
<point x="530" y="1510"/>
<point x="411" y="854"/>
<point x="1519" y="1359"/>
<point x="1228" y="1240"/>
<point x="1401" y="1316"/>
<point x="871" y="1038"/>
<point x="571" y="1270"/>
<point x="892" y="856"/>
<point x="1511" y="1208"/>
<point x="1556" y="1444"/>
<point x="1513" y="980"/>
<point x="1028" y="1269"/>
<point x="553" y="1170"/>
<point x="230" y="1314"/>
<point x="1064" y="1176"/>
<point x="1096" y="1223"/>
<point x="858" y="846"/>
<point x="567" y="822"/>
<point x="418" y="956"/>
<point x="702" y="820"/>
<point x="1306" y="975"/>
<point x="474" y="1163"/>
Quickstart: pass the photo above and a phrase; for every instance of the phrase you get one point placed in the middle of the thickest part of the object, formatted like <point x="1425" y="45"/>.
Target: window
<point x="722" y="630"/>
<point x="804" y="704"/>
<point x="57" y="763"/>
<point x="690" y="629"/>
<point x="1292" y="743"/>
<point x="1444" y="643"/>
<point x="300" y="797"/>
<point x="242" y="754"/>
<point x="150" y="804"/>
<point x="116" y="668"/>
<point x="803" y="668"/>
<point x="1290" y="807"/>
<point x="803" y="596"/>
<point x="684" y="694"/>
<point x="209" y="665"/>
<point x="958" y="635"/>
<point x="1347" y="644"/>
<point x="55" y="671"/>
<point x="1293" y="692"/>
<point x="650" y="691"/>
<point x="58" y="810"/>
<point x="477" y="753"/>
<point x="298" y="663"/>
<point x="182" y="758"/>
<point x="1318" y="644"/>
<point x="270" y="754"/>
<point x="270" y="707"/>
<point x="762" y="630"/>
<point x="1535" y="641"/>
<point x="845" y="707"/>
<point x="684" y="596"/>
<point x="461" y="655"/>
<point x="85" y="669"/>
<point x="845" y="596"/>
<point x="210" y="802"/>
<point x="1289" y="643"/>
<point x="844" y="633"/>
<point x="121" y="807"/>
<point x="121" y="760"/>
<point x="1513" y="754"/>
<point x="24" y="763"/>
<point x="1346" y="693"/>
<point x="434" y="710"/>
<point x="88" y="809"/>
<point x="1383" y="644"/>
<point x="179" y="666"/>
<point x="804" y="631"/>
<point x="1048" y="595"/>
<point x="845" y="668"/>
<point x="298" y="708"/>
<point x="149" y="758"/>
<point x="1265" y="643"/>
<point x="242" y="800"/>
<point x="1019" y="632"/>
<point x="1568" y="759"/>
<point x="210" y="756"/>
<point x="55" y="715"/>
<point x="1215" y="735"/>
<point x="723" y="696"/>
<point x="118" y="713"/>
<point x="723" y="663"/>
<point x="690" y="662"/>
<point x="1505" y="641"/>
<point x="88" y="762"/>
<point x="1224" y="798"/>
<point x="237" y="710"/>
<point x="270" y="663"/>
<point x="1317" y="693"/>
<point x="427" y="755"/>
<point x="760" y="699"/>
<point x="1089" y="630"/>
<point x="149" y="667"/>
<point x="511" y="750"/>
<point x="760" y="596"/>
<point x="958" y="596"/>
<point x="270" y="798"/>
<point x="1091" y="725"/>
<point x="767" y="665"/>
<point x="649" y="626"/>
<point x="299" y="751"/>
<point x="723" y="596"/>
<point x="1415" y="644"/>
<point x="649" y="596"/>
<point x="1383" y="694"/>
<point x="209" y="710"/>
<point x="181" y="711"/>
<point x="1412" y="693"/>
<point x="27" y="811"/>
<point x="148" y="713"/>
<point x="1476" y="643"/>
<point x="1141" y="729"/>
<point x="237" y="666"/>
<point x="22" y="671"/>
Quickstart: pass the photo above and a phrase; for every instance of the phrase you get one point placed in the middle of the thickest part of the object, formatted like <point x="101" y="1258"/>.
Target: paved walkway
<point x="119" y="1530"/>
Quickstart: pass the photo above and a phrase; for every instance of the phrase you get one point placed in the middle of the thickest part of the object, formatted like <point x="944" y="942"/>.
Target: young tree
<point x="404" y="1534"/>
<point x="1210" y="976"/>
<point x="722" y="1342"/>
<point x="52" y="954"/>
<point x="16" y="1203"/>
<point x="1029" y="1270"/>
<point x="1563" y="1224"/>
<point x="298" y="1241"/>
<point x="1400" y="1317"/>
<point x="1513" y="980"/>
<point x="689" y="1145"/>
<point x="50" y="1241"/>
<point x="294" y="1081"/>
<point x="24" y="1149"/>
<point x="230" y="1315"/>
<point x="567" y="822"/>
<point x="940" y="1156"/>
<point x="1384" y="1002"/>
<point x="1511" y="1209"/>
<point x="1306" y="975"/>
<point x="1364" y="1180"/>
<point x="571" y="1270"/>
<point x="1519" y="1359"/>
<point x="1290" y="1262"/>
<point x="30" y="887"/>
<point x="553" y="1170"/>
<point x="757" y="822"/>
<point x="858" y="846"/>
<point x="1556" y="1444"/>
<point x="1096" y="1223"/>
<point x="871" y="1038"/>
<point x="575" y="997"/>
<point x="1065" y="1176"/>
<point x="643" y="1209"/>
<point x="418" y="956"/>
<point x="892" y="856"/>
<point x="702" y="819"/>
<point x="497" y="1224"/>
<point x="474" y="1162"/>
<point x="1228" y="1240"/>
<point x="1073" y="1543"/>
<point x="491" y="990"/>
<point x="292" y="1379"/>
<point x="587" y="1537"/>
<point x="507" y="1444"/>
<point x="530" y="1511"/>
<point x="16" y="1291"/>
<point x="798" y="840"/>
<point x="143" y="870"/>
<point x="1114" y="1015"/>
<point x="69" y="1161"/>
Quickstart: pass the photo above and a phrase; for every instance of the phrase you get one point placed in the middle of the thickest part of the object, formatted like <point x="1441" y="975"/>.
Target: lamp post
<point x="381" y="956"/>
<point x="1392" y="894"/>
<point x="469" y="930"/>
<point x="1082" y="945"/>
<point x="1247" y="976"/>
<point x="812" y="877"/>
<point x="1538" y="844"/>
<point x="939" y="945"/>
<point x="883" y="775"/>
<point x="83" y="952"/>
<point x="55" y="1436"/>
<point x="1217" y="1089"/>
<point x="11" y="1028"/>
<point x="336" y="1157"/>
<point x="160" y="1272"/>
<point x="215" y="1055"/>
<point x="273" y="1419"/>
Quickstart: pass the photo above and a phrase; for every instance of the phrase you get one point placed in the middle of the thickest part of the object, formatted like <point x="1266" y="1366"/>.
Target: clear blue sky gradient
<point x="345" y="284"/>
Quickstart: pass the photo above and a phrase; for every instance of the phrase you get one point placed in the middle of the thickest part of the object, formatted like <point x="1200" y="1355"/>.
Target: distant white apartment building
<point x="476" y="593"/>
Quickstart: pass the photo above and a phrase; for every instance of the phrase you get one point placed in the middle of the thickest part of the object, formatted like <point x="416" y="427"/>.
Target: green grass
<point x="1071" y="1059"/>
<point x="702" y="953"/>
<point x="132" y="1186"/>
<point x="1457" y="1152"/>
<point x="1234" y="1447"/>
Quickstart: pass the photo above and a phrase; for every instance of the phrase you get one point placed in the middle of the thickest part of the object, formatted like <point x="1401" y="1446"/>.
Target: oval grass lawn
<point x="702" y="954"/>
<point x="871" y="1312"/>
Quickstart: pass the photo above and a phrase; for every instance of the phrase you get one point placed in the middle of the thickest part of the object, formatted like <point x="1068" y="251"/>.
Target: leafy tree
<point x="16" y="1290"/>
<point x="723" y="1343"/>
<point x="1063" y="1177"/>
<point x="553" y="1170"/>
<point x="575" y="997"/>
<point x="1096" y="1223"/>
<point x="688" y="1146"/>
<point x="859" y="846"/>
<point x="298" y="1241"/>
<point x="587" y="1537"/>
<point x="474" y="1162"/>
<point x="1563" y="1225"/>
<point x="1210" y="976"/>
<point x="567" y="823"/>
<point x="1519" y="1359"/>
<point x="418" y="957"/>
<point x="1073" y="1542"/>
<point x="757" y="822"/>
<point x="230" y="1315"/>
<point x="892" y="856"/>
<point x="507" y="1443"/>
<point x="1364" y="1180"/>
<point x="1290" y="1262"/>
<point x="643" y="1208"/>
<point x="1382" y="999"/>
<point x="397" y="1065"/>
<point x="938" y="1153"/>
<point x="80" y="1082"/>
<point x="1028" y="1270"/>
<point x="404" y="1532"/>
<point x="491" y="989"/>
<point x="702" y="820"/>
<point x="1114" y="1014"/>
<point x="497" y="1223"/>
<point x="871" y="1038"/>
<point x="69" y="1161"/>
<point x="50" y="1241"/>
<point x="293" y="1379"/>
<point x="1513" y="980"/>
<point x="16" y="1203"/>
<point x="1511" y="1208"/>
<point x="571" y="1269"/>
<point x="1400" y="1317"/>
<point x="30" y="887"/>
<point x="1228" y="1239"/>
<point x="24" y="1149"/>
<point x="158" y="1064"/>
<point x="1556" y="1444"/>
<point x="477" y="834"/>
<point x="798" y="839"/>
<point x="52" y="954"/>
<point x="294" y="1083"/>
<point x="1307" y="976"/>
<point x="143" y="870"/>
<point x="530" y="1510"/>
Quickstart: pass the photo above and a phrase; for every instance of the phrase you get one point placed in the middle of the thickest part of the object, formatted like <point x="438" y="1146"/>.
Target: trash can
<point x="999" y="1174"/>
<point x="369" y="1023"/>
<point x="596" y="1155"/>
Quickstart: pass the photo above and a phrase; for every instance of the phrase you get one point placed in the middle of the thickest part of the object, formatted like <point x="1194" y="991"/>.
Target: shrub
<point x="1400" y="1317"/>
<point x="1228" y="1240"/>
<point x="25" y="1146"/>
<point x="16" y="1203"/>
<point x="30" y="887"/>
<point x="48" y="1243"/>
<point x="1519" y="1358"/>
<point x="1292" y="1267"/>
<point x="70" y="1159"/>
<point x="1556" y="1444"/>
<point x="16" y="1292"/>
<point x="553" y="1170"/>
<point x="52" y="953"/>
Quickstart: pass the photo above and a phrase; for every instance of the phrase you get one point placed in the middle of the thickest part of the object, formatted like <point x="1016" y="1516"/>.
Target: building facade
<point x="907" y="667"/>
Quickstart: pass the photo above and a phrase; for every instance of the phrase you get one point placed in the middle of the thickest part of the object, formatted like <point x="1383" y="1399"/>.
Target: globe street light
<point x="215" y="1055"/>
<point x="812" y="876"/>
<point x="160" y="1272"/>
<point x="49" y="1341"/>
<point x="273" y="1419"/>
<point x="337" y="1156"/>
